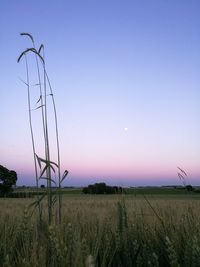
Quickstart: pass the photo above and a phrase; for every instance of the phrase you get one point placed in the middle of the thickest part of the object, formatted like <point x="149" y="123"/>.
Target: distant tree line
<point x="102" y="188"/>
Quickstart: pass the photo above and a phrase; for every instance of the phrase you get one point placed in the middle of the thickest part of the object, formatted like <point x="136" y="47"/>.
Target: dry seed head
<point x="90" y="261"/>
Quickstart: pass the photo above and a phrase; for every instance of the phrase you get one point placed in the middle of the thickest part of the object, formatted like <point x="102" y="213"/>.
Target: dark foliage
<point x="7" y="180"/>
<point x="102" y="188"/>
<point x="189" y="188"/>
<point x="19" y="195"/>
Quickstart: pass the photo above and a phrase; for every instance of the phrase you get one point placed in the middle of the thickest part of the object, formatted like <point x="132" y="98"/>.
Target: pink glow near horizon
<point x="84" y="174"/>
<point x="109" y="167"/>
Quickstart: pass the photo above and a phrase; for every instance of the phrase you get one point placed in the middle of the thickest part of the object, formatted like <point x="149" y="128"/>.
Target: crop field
<point x="103" y="230"/>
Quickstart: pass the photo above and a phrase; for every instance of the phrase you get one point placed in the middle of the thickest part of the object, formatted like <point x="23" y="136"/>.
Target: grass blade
<point x="64" y="175"/>
<point x="27" y="34"/>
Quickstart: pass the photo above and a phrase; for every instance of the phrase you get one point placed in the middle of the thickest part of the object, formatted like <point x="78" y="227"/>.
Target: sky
<point x="126" y="81"/>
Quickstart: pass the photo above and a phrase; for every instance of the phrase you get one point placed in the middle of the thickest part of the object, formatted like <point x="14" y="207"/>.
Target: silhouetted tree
<point x="189" y="188"/>
<point x="7" y="180"/>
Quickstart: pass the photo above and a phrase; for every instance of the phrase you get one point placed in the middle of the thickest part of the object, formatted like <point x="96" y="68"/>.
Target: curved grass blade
<point x="47" y="161"/>
<point x="35" y="51"/>
<point x="36" y="203"/>
<point x="39" y="99"/>
<point x="19" y="58"/>
<point x="45" y="168"/>
<point x="23" y="82"/>
<point x="37" y="84"/>
<point x="155" y="212"/>
<point x="38" y="160"/>
<point x="39" y="107"/>
<point x="23" y="53"/>
<point x="64" y="175"/>
<point x="41" y="47"/>
<point x="43" y="171"/>
<point x="27" y="34"/>
<point x="48" y="179"/>
<point x="29" y="50"/>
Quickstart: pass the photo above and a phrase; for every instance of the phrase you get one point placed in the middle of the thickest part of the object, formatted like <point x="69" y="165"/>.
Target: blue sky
<point x="113" y="65"/>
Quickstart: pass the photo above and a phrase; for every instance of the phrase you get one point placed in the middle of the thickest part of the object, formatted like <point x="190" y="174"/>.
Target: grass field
<point x="109" y="230"/>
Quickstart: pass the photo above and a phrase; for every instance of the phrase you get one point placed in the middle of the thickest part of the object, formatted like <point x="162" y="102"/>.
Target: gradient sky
<point x="126" y="79"/>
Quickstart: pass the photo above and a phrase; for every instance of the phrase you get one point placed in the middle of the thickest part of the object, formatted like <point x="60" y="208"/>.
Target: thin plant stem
<point x="57" y="140"/>
<point x="58" y="152"/>
<point x="41" y="101"/>
<point x="154" y="211"/>
<point x="44" y="113"/>
<point x="47" y="150"/>
<point x="32" y="135"/>
<point x="46" y="140"/>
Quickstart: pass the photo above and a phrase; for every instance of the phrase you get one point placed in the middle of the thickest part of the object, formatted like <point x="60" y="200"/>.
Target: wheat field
<point x="103" y="231"/>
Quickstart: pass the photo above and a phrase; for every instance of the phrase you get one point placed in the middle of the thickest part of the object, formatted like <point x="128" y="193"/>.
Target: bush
<point x="102" y="188"/>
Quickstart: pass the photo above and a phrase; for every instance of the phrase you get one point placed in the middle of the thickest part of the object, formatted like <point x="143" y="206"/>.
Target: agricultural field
<point x="134" y="229"/>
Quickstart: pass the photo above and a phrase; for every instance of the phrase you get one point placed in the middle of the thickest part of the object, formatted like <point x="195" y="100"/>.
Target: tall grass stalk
<point x="48" y="171"/>
<point x="45" y="129"/>
<point x="32" y="135"/>
<point x="46" y="77"/>
<point x="48" y="168"/>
